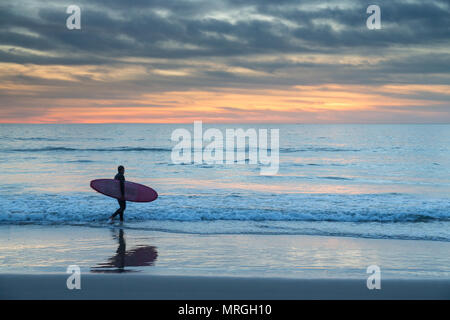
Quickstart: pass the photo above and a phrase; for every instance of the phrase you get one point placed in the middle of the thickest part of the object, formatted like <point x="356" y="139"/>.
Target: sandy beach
<point x="52" y="286"/>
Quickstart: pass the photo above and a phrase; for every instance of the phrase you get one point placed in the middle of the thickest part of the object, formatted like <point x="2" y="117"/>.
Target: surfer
<point x="122" y="203"/>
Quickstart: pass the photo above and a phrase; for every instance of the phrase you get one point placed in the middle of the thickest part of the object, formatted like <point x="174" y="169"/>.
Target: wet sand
<point x="31" y="249"/>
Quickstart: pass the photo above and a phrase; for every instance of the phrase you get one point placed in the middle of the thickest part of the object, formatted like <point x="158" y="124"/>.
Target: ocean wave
<point x="335" y="178"/>
<point x="31" y="139"/>
<point x="80" y="161"/>
<point x="65" y="139"/>
<point x="160" y="149"/>
<point x="384" y="208"/>
<point x="390" y="216"/>
<point x="68" y="149"/>
<point x="317" y="149"/>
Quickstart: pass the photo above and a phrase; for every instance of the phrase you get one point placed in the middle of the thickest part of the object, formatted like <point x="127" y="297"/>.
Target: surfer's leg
<point x="114" y="214"/>
<point x="123" y="206"/>
<point x="118" y="211"/>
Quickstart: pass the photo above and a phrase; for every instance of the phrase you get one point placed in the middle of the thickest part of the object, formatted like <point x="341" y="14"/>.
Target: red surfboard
<point x="134" y="192"/>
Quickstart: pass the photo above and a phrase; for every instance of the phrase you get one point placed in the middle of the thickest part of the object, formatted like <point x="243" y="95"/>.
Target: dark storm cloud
<point x="137" y="30"/>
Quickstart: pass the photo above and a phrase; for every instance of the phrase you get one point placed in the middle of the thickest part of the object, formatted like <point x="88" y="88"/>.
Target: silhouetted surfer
<point x="119" y="176"/>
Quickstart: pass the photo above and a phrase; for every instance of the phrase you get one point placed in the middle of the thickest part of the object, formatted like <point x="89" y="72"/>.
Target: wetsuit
<point x="122" y="203"/>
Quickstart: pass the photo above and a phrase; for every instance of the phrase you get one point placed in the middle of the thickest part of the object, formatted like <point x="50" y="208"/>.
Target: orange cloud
<point x="320" y="103"/>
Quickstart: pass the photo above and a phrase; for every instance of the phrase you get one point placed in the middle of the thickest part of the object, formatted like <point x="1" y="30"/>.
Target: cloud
<point x="127" y="50"/>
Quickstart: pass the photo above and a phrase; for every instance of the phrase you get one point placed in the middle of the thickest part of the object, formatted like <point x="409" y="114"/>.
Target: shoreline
<point x="151" y="287"/>
<point x="157" y="229"/>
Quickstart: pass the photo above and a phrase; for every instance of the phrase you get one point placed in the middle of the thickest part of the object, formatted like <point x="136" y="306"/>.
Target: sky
<point x="225" y="61"/>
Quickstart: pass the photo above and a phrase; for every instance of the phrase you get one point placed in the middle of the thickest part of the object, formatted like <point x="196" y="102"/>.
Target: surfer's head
<point x="121" y="169"/>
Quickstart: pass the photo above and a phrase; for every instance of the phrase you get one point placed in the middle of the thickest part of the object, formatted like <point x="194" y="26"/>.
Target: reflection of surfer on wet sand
<point x="141" y="256"/>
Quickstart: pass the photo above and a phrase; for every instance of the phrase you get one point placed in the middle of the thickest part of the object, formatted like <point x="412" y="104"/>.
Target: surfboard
<point x="134" y="192"/>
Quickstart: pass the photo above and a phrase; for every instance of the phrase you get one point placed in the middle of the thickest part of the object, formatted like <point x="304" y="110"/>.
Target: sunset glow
<point x="224" y="63"/>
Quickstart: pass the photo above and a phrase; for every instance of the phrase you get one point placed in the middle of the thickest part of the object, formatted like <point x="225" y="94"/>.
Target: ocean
<point x="363" y="181"/>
